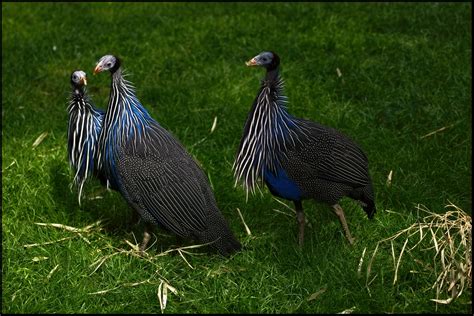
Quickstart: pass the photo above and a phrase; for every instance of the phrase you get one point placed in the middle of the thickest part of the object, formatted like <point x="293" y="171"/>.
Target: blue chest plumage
<point x="128" y="122"/>
<point x="281" y="185"/>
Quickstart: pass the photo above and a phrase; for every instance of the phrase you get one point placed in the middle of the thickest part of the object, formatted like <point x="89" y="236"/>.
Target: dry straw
<point x="448" y="238"/>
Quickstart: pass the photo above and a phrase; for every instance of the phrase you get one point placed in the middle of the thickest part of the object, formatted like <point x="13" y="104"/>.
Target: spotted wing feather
<point x="332" y="156"/>
<point x="166" y="184"/>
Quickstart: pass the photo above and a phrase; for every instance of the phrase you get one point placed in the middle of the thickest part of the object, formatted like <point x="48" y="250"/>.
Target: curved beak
<point x="97" y="69"/>
<point x="251" y="62"/>
<point x="84" y="81"/>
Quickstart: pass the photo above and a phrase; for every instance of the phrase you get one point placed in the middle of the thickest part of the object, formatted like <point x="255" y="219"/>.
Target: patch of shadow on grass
<point x="96" y="202"/>
<point x="65" y="198"/>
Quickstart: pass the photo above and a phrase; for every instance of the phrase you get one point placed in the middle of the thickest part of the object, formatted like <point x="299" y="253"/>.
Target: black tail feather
<point x="228" y="246"/>
<point x="220" y="236"/>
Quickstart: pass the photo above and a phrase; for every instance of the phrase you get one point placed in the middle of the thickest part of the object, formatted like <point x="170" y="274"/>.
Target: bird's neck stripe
<point x="271" y="131"/>
<point x="125" y="120"/>
<point x="83" y="139"/>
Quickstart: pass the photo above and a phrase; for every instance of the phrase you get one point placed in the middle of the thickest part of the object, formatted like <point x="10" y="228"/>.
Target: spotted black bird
<point x="153" y="171"/>
<point x="85" y="124"/>
<point x="298" y="159"/>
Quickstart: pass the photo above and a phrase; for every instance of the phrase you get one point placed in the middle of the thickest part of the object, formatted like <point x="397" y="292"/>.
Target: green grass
<point x="406" y="71"/>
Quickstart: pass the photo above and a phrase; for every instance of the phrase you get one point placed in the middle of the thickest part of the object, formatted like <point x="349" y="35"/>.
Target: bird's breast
<point x="281" y="185"/>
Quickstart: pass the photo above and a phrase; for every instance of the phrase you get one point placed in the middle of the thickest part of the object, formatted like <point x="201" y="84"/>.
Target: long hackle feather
<point x="85" y="122"/>
<point x="270" y="131"/>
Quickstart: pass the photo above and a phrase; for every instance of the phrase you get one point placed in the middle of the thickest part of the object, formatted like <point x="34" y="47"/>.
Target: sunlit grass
<point x="394" y="77"/>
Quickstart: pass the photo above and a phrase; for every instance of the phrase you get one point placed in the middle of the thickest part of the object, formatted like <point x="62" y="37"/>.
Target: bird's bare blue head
<point x="269" y="60"/>
<point x="78" y="79"/>
<point x="107" y="62"/>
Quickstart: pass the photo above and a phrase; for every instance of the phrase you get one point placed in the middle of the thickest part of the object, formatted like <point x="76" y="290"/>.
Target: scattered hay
<point x="52" y="271"/>
<point x="162" y="291"/>
<point x="339" y="75"/>
<point x="36" y="259"/>
<point x="348" y="311"/>
<point x="316" y="294"/>
<point x="213" y="128"/>
<point x="247" y="229"/>
<point x="214" y="124"/>
<point x="163" y="294"/>
<point x="156" y="279"/>
<point x="448" y="237"/>
<point x="78" y="231"/>
<point x="119" y="286"/>
<point x="198" y="142"/>
<point x="361" y="261"/>
<point x="388" y="183"/>
<point x="135" y="252"/>
<point x="437" y="131"/>
<point x="163" y="283"/>
<point x="46" y="243"/>
<point x="39" y="140"/>
<point x="11" y="164"/>
<point x="86" y="229"/>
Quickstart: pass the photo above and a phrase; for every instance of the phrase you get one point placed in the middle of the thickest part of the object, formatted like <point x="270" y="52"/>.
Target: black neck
<point x="116" y="74"/>
<point x="274" y="64"/>
<point x="272" y="75"/>
<point x="116" y="66"/>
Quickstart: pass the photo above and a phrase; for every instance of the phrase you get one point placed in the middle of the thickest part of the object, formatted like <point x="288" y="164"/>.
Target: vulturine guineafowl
<point x="298" y="159"/>
<point x="153" y="171"/>
<point x="85" y="123"/>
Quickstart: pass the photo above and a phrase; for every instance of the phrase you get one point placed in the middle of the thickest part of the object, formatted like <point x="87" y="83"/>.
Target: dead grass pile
<point x="448" y="239"/>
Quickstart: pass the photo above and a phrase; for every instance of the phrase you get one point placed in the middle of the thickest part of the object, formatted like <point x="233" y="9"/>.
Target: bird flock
<point x="130" y="152"/>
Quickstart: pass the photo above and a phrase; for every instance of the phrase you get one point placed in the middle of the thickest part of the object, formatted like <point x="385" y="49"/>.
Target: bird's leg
<point x="301" y="221"/>
<point x="340" y="213"/>
<point x="135" y="218"/>
<point x="146" y="238"/>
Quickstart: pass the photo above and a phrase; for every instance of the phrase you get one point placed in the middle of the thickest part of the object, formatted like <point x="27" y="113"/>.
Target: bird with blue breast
<point x="153" y="171"/>
<point x="84" y="126"/>
<point x="299" y="159"/>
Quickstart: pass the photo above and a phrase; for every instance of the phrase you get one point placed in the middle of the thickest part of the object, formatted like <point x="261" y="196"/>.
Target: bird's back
<point x="167" y="187"/>
<point x="327" y="164"/>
